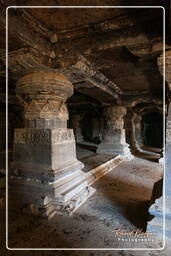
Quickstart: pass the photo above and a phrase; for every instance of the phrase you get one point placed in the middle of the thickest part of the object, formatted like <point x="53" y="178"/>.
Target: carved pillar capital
<point x="43" y="94"/>
<point x="115" y="113"/>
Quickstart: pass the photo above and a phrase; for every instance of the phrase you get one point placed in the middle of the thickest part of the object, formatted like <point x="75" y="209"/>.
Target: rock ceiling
<point x="104" y="51"/>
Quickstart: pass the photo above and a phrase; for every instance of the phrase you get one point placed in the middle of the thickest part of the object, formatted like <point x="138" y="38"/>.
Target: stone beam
<point x="85" y="76"/>
<point x="97" y="42"/>
<point x="21" y="26"/>
<point x="152" y="47"/>
<point x="24" y="60"/>
<point x="117" y="22"/>
<point x="133" y="100"/>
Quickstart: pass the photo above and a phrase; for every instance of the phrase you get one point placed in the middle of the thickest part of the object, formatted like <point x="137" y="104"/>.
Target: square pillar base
<point x="115" y="149"/>
<point x="45" y="173"/>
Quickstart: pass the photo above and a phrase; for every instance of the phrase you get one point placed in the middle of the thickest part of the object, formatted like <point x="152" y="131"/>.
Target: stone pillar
<point x="136" y="132"/>
<point x="75" y="119"/>
<point x="114" y="136"/>
<point x="128" y="126"/>
<point x="157" y="209"/>
<point x="46" y="173"/>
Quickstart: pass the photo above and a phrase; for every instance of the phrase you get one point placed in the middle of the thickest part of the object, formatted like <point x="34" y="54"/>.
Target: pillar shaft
<point x="76" y="127"/>
<point x="157" y="209"/>
<point x="136" y="132"/>
<point x="44" y="150"/>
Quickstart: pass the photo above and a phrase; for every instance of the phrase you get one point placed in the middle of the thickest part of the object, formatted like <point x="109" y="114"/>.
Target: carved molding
<point x="47" y="109"/>
<point x="62" y="136"/>
<point x="89" y="69"/>
<point x="43" y="136"/>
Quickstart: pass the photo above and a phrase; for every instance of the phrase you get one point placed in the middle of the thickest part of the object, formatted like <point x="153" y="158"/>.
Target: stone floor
<point x="84" y="151"/>
<point x="120" y="202"/>
<point x="95" y="160"/>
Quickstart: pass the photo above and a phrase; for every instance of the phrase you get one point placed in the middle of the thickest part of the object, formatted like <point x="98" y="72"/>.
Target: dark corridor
<point x="152" y="129"/>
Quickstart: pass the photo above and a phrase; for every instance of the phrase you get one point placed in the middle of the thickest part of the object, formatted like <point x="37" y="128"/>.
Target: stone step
<point x="152" y="149"/>
<point x="60" y="188"/>
<point x="69" y="170"/>
<point x="88" y="145"/>
<point x="146" y="154"/>
<point x="99" y="171"/>
<point x="66" y="178"/>
<point x="71" y="192"/>
<point x="67" y="208"/>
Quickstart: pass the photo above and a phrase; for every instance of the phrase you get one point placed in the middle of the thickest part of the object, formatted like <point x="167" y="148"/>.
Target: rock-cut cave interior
<point x="88" y="119"/>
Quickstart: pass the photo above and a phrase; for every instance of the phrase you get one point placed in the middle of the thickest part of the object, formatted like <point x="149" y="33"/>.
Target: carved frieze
<point x="43" y="136"/>
<point x="46" y="109"/>
<point x="62" y="136"/>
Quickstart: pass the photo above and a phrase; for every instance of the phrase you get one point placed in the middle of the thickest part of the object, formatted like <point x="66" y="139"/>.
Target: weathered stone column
<point x="157" y="209"/>
<point x="128" y="126"/>
<point x="75" y="119"/>
<point x="136" y="132"/>
<point x="47" y="174"/>
<point x="114" y="137"/>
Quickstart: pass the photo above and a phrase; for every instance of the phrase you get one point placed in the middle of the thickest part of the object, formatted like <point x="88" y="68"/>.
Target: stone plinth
<point x="45" y="172"/>
<point x="114" y="137"/>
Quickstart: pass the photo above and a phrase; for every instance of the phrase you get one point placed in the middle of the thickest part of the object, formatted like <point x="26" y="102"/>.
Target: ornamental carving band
<point x="39" y="136"/>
